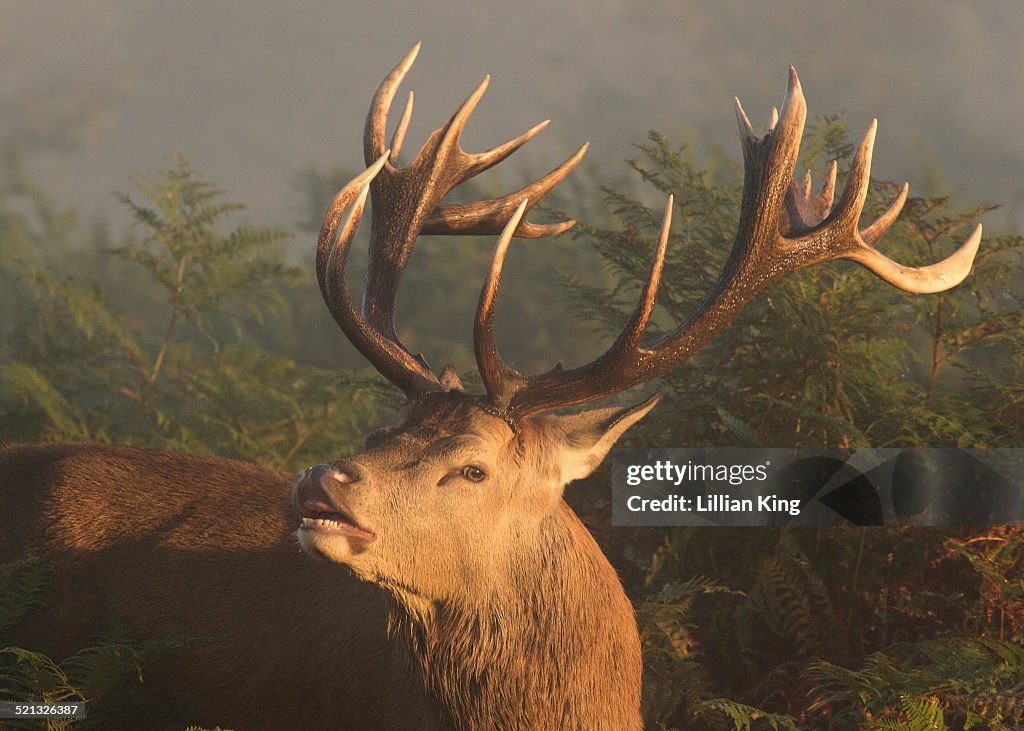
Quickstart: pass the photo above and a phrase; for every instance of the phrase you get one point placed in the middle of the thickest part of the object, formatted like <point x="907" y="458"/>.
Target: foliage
<point x="975" y="682"/>
<point x="105" y="675"/>
<point x="670" y="649"/>
<point x="76" y="368"/>
<point x="828" y="356"/>
<point x="21" y="586"/>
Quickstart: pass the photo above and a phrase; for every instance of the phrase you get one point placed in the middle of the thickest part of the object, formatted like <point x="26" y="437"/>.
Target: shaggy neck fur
<point x="557" y="647"/>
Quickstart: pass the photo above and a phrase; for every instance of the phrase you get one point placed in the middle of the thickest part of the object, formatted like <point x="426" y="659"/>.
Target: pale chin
<point x="332" y="548"/>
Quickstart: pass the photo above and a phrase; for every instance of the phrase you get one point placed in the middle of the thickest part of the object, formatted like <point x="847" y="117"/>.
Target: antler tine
<point x="328" y="240"/>
<point x="781" y="228"/>
<point x="490" y="216"/>
<point x="403" y="124"/>
<point x="873" y="233"/>
<point x="377" y="119"/>
<point x="803" y="210"/>
<point x="499" y="379"/>
<point x="490" y="158"/>
<point x="828" y="188"/>
<point x="630" y="335"/>
<point x="927" y="279"/>
<point x="388" y="357"/>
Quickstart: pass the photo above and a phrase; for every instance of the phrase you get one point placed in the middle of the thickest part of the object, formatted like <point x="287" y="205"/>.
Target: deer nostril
<point x="335" y="474"/>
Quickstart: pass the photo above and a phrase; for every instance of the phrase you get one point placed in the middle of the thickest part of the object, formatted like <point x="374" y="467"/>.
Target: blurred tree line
<point x="193" y="333"/>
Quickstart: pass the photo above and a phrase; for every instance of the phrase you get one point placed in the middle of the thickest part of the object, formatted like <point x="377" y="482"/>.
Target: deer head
<point x="458" y="508"/>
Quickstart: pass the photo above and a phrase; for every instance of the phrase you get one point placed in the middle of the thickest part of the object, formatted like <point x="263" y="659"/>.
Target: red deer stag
<point x="459" y="591"/>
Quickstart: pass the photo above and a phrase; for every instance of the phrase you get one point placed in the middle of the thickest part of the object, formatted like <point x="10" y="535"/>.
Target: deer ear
<point x="587" y="437"/>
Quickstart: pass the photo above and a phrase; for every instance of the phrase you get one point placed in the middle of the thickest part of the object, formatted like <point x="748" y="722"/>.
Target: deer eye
<point x="473" y="473"/>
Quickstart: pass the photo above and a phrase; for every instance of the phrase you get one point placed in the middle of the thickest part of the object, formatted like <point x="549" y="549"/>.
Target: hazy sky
<point x="254" y="92"/>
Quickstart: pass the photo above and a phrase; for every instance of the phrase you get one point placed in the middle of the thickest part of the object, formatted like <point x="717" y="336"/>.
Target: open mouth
<point x="321" y="514"/>
<point x="332" y="521"/>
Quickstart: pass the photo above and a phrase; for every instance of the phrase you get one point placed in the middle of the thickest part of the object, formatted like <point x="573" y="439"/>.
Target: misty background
<point x="268" y="100"/>
<point x="253" y="93"/>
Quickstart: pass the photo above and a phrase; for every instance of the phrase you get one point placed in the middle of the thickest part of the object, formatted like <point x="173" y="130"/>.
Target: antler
<point x="782" y="228"/>
<point x="407" y="203"/>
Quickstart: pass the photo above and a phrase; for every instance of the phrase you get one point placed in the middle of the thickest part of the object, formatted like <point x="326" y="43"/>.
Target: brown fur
<point x="196" y="546"/>
<point x="475" y="621"/>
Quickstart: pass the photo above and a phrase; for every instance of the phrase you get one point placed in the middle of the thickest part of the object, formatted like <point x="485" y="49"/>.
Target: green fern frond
<point x="22" y="583"/>
<point x="744" y="717"/>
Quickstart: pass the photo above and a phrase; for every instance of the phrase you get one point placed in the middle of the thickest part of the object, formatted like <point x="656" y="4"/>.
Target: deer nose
<point x="335" y="474"/>
<point x="313" y="489"/>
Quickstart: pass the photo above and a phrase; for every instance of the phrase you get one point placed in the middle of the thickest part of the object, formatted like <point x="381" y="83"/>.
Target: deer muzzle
<point x="319" y="497"/>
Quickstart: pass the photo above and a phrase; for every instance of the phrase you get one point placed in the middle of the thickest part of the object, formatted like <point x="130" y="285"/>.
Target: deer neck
<point x="555" y="646"/>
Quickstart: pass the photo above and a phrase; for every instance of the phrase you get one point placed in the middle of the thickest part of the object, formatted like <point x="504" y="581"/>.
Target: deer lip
<point x="323" y="517"/>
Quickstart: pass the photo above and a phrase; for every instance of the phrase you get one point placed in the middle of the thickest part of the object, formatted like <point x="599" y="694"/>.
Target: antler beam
<point x="782" y="228"/>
